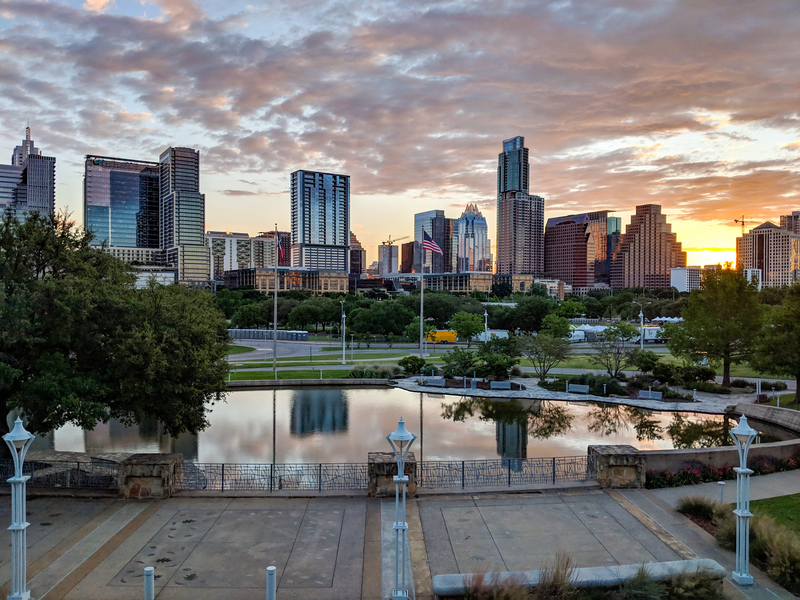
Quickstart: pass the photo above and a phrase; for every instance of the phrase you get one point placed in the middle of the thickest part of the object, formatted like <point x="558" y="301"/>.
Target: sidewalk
<point x="761" y="487"/>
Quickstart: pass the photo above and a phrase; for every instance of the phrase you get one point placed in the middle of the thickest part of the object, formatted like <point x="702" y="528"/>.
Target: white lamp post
<point x="18" y="441"/>
<point x="485" y="326"/>
<point x="641" y="320"/>
<point x="743" y="435"/>
<point x="400" y="440"/>
<point x="344" y="351"/>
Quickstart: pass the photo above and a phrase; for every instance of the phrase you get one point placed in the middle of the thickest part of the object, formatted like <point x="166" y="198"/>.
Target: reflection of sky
<point x="242" y="429"/>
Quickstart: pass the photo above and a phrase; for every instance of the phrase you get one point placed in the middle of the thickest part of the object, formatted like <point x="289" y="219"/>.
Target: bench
<point x="576" y="388"/>
<point x="649" y="395"/>
<point x="499" y="385"/>
<point x="436" y="383"/>
<point x="454" y="586"/>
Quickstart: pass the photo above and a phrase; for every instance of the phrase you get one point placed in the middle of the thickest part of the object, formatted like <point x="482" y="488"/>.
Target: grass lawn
<point x="787" y="401"/>
<point x="785" y="510"/>
<point x="239" y="349"/>
<point x="304" y="374"/>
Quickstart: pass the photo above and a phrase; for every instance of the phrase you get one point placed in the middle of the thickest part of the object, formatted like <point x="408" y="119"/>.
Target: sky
<point x="689" y="104"/>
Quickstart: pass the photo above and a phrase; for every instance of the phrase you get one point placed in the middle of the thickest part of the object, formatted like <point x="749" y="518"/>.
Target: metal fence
<point x="354" y="476"/>
<point x="65" y="474"/>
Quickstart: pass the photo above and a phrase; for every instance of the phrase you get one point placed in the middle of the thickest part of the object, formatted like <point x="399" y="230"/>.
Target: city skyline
<point x="620" y="104"/>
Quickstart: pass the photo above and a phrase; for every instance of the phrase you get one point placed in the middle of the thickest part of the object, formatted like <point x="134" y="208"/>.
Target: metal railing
<point x="355" y="476"/>
<point x="65" y="474"/>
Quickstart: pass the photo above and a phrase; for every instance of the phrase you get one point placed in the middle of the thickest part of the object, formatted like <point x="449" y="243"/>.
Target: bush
<point x="687" y="476"/>
<point x="559" y="385"/>
<point x="710" y="388"/>
<point x="778" y="386"/>
<point x="516" y="371"/>
<point x="700" y="507"/>
<point x="697" y="586"/>
<point x="374" y="372"/>
<point x="596" y="382"/>
<point x="489" y="587"/>
<point x="664" y="372"/>
<point x="411" y="364"/>
<point x="741" y="383"/>
<point x="429" y="370"/>
<point x="691" y="374"/>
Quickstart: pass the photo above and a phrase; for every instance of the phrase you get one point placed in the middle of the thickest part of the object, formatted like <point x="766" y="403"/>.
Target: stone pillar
<point x="382" y="468"/>
<point x="619" y="466"/>
<point x="149" y="475"/>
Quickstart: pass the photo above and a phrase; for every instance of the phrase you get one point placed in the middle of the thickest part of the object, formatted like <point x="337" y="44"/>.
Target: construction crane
<point x="391" y="241"/>
<point x="743" y="222"/>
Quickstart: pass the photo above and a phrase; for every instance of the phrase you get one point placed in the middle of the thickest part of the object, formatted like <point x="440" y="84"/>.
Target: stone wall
<point x="148" y="475"/>
<point x="383" y="468"/>
<point x="625" y="467"/>
<point x="619" y="466"/>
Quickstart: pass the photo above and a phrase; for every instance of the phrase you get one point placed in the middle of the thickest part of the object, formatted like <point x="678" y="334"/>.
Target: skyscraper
<point x="121" y="201"/>
<point x="472" y="236"/>
<point x="433" y="222"/>
<point x="569" y="250"/>
<point x="320" y="221"/>
<point x="388" y="259"/>
<point x="28" y="184"/>
<point x="358" y="256"/>
<point x="24" y="150"/>
<point x="791" y="222"/>
<point x="646" y="251"/>
<point x="772" y="250"/>
<point x="182" y="215"/>
<point x="602" y="229"/>
<point x="520" y="215"/>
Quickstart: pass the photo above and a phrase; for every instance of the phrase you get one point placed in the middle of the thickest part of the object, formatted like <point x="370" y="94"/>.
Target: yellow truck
<point x="443" y="336"/>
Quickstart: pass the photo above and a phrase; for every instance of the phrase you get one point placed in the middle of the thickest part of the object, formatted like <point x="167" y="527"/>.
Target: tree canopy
<point x="79" y="344"/>
<point x="722" y="321"/>
<point x="777" y="350"/>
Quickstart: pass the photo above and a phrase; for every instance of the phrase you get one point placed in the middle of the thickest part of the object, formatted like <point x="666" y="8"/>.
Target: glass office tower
<point x="121" y="201"/>
<point x="182" y="214"/>
<point x="320" y="221"/>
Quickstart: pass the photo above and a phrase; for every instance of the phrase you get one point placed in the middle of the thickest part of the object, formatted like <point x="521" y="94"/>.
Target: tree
<point x="466" y="325"/>
<point x="644" y="360"/>
<point x="570" y="309"/>
<point x="305" y="316"/>
<point x="496" y="356"/>
<point x="252" y="316"/>
<point x="722" y="321"/>
<point x="777" y="350"/>
<point x="555" y="326"/>
<point x="411" y="364"/>
<point x="458" y="363"/>
<point x="79" y="344"/>
<point x="531" y="311"/>
<point x="614" y="350"/>
<point x="411" y="331"/>
<point x="544" y="351"/>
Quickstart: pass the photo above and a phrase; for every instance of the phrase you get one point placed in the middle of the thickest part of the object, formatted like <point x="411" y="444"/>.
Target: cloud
<point x="97" y="5"/>
<point x="620" y="103"/>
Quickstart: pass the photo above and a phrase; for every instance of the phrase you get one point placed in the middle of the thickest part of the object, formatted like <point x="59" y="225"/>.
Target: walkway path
<point x="706" y="403"/>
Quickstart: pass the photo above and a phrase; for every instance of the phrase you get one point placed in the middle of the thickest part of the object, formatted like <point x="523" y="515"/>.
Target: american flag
<point x="281" y="251"/>
<point x="429" y="244"/>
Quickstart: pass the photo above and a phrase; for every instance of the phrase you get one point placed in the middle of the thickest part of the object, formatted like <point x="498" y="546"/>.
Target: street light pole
<point x="485" y="326"/>
<point x="19" y="441"/>
<point x="743" y="435"/>
<point x="344" y="351"/>
<point x="641" y="318"/>
<point x="400" y="440"/>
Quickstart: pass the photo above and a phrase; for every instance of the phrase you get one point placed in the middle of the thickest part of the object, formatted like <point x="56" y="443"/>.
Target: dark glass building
<point x="121" y="201"/>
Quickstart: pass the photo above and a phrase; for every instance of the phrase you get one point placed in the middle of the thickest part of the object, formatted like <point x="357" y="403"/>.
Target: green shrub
<point x="411" y="364"/>
<point x="429" y="370"/>
<point x="778" y="386"/>
<point x="696" y="586"/>
<point x="741" y="383"/>
<point x="596" y="382"/>
<point x="700" y="507"/>
<point x="374" y="372"/>
<point x="710" y="388"/>
<point x="559" y="385"/>
<point x="641" y="587"/>
<point x="664" y="372"/>
<point x="515" y="371"/>
<point x="694" y="374"/>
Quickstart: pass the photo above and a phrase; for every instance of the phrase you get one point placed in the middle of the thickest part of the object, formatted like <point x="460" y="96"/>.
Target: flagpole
<point x="422" y="297"/>
<point x="275" y="310"/>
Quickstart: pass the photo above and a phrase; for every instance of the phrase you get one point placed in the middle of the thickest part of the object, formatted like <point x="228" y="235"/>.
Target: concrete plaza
<point x="335" y="547"/>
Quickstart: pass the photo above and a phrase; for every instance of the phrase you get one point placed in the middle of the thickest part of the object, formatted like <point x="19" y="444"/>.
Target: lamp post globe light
<point x="485" y="326"/>
<point x="18" y="441"/>
<point x="743" y="435"/>
<point x="400" y="440"/>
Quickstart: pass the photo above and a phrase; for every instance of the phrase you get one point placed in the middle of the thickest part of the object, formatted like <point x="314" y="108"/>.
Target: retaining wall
<point x="625" y="467"/>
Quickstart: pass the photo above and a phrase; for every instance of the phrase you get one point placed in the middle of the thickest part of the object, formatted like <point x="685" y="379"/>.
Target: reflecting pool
<point x="343" y="425"/>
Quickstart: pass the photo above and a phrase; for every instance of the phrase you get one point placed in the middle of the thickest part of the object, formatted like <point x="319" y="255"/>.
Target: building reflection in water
<point x="318" y="411"/>
<point x="148" y="436"/>
<point x="512" y="441"/>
